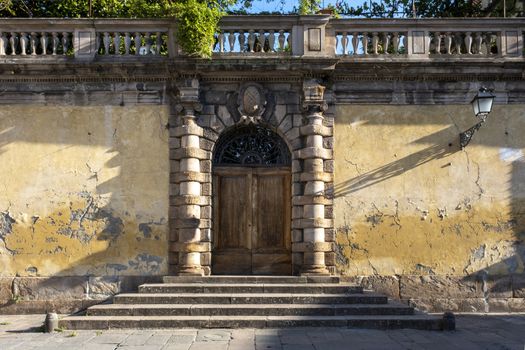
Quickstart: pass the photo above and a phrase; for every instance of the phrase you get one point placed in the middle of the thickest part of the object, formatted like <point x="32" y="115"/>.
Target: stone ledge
<point x="313" y="247"/>
<point x="312" y="223"/>
<point x="317" y="176"/>
<point x="190" y="152"/>
<point x="190" y="200"/>
<point x="188" y="130"/>
<point x="437" y="286"/>
<point x="316" y="130"/>
<point x="190" y="247"/>
<point x="189" y="176"/>
<point x="309" y="199"/>
<point x="314" y="152"/>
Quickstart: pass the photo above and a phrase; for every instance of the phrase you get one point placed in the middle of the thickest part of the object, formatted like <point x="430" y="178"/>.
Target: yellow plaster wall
<point x="409" y="201"/>
<point x="84" y="190"/>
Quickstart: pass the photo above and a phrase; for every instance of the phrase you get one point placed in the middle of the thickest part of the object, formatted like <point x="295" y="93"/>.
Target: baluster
<point x="375" y="42"/>
<point x="242" y="41"/>
<point x="97" y="43"/>
<point x="289" y="41"/>
<point x="43" y="42"/>
<point x="138" y="43"/>
<point x="158" y="43"/>
<point x="147" y="42"/>
<point x="437" y="42"/>
<point x="488" y="42"/>
<point x="262" y="39"/>
<point x="3" y="44"/>
<point x="395" y="43"/>
<point x="12" y="42"/>
<point x="231" y="40"/>
<point x="457" y="43"/>
<point x="468" y="42"/>
<point x="54" y="43"/>
<point x="116" y="42"/>
<point x="251" y="40"/>
<point x="23" y="43"/>
<point x="271" y="41"/>
<point x="355" y="42"/>
<point x="106" y="43"/>
<point x="127" y="43"/>
<point x="33" y="43"/>
<point x="448" y="42"/>
<point x="478" y="43"/>
<point x="364" y="42"/>
<point x="386" y="42"/>
<point x="220" y="38"/>
<point x="343" y="42"/>
<point x="281" y="40"/>
<point x="65" y="43"/>
<point x="498" y="42"/>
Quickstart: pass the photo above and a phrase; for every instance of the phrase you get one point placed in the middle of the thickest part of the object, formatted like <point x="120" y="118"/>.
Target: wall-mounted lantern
<point x="482" y="105"/>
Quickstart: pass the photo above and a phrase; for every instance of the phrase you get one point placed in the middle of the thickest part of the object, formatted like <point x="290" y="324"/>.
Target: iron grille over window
<point x="251" y="145"/>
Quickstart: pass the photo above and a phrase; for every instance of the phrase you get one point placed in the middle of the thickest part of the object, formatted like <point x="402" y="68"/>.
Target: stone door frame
<point x="192" y="140"/>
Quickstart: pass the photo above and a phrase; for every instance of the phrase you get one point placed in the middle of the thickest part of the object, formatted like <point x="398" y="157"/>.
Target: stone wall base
<point x="440" y="293"/>
<point x="67" y="294"/>
<point x="430" y="293"/>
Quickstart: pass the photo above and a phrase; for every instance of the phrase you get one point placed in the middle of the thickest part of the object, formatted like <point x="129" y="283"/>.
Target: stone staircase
<point x="250" y="302"/>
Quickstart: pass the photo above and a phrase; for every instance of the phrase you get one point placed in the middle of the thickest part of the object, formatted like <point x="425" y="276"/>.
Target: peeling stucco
<point x="78" y="183"/>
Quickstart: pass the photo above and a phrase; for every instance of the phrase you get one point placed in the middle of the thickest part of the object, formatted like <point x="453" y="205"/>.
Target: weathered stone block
<point x="329" y="258"/>
<point x="286" y="124"/>
<point x="225" y="116"/>
<point x="297" y="235"/>
<point x="174" y="166"/>
<point x="298" y="120"/>
<point x="206" y="189"/>
<point x="210" y="134"/>
<point x="131" y="283"/>
<point x="51" y="288"/>
<point x="206" y="212"/>
<point x="293" y="133"/>
<point x="189" y="152"/>
<point x="205" y="144"/>
<point x="329" y="235"/>
<point x="499" y="287"/>
<point x="518" y="285"/>
<point x="329" y="212"/>
<point x="206" y="166"/>
<point x="498" y="304"/>
<point x="206" y="259"/>
<point x="6" y="285"/>
<point x="328" y="142"/>
<point x="328" y="166"/>
<point x="446" y="304"/>
<point x="174" y="142"/>
<point x="314" y="152"/>
<point x="297" y="212"/>
<point x="430" y="286"/>
<point x="516" y="304"/>
<point x="103" y="287"/>
<point x="388" y="285"/>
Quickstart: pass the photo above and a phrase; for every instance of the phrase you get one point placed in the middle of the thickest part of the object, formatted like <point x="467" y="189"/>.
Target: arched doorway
<point x="251" y="203"/>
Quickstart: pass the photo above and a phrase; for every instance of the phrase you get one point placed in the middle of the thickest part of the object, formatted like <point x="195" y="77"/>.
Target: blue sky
<point x="288" y="5"/>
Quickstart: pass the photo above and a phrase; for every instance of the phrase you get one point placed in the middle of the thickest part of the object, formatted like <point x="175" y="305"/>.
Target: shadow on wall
<point x="495" y="268"/>
<point x="84" y="193"/>
<point x="441" y="149"/>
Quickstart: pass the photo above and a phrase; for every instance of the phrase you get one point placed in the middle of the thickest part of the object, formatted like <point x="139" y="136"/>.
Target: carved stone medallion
<point x="252" y="103"/>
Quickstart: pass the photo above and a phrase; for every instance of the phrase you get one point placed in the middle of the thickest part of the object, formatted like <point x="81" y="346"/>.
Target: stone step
<point x="248" y="298"/>
<point x="303" y="288"/>
<point x="251" y="279"/>
<point x="155" y="322"/>
<point x="248" y="309"/>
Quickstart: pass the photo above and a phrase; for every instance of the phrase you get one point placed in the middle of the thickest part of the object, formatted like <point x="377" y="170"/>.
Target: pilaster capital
<point x="187" y="97"/>
<point x="313" y="98"/>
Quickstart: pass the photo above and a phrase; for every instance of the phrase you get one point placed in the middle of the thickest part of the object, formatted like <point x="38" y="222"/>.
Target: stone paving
<point x="502" y="331"/>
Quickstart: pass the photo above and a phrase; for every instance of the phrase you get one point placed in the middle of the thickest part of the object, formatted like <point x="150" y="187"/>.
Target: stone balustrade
<point x="409" y="39"/>
<point x="254" y="35"/>
<point x="266" y="37"/>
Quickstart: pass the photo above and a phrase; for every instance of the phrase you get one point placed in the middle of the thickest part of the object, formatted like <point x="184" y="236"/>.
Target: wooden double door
<point x="252" y="219"/>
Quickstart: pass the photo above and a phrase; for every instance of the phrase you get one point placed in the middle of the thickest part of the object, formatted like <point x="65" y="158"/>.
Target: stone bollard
<point x="51" y="322"/>
<point x="449" y="321"/>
